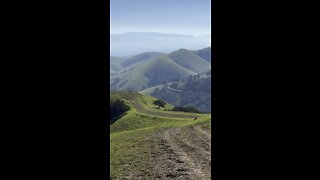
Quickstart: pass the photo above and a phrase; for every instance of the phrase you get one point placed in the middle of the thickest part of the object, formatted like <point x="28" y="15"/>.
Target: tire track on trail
<point x="183" y="155"/>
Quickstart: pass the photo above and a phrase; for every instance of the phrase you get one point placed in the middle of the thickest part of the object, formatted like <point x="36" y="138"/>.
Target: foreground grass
<point x="127" y="152"/>
<point x="131" y="137"/>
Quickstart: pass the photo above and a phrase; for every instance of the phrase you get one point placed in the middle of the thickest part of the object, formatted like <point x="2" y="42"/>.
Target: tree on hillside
<point x="117" y="107"/>
<point x="159" y="103"/>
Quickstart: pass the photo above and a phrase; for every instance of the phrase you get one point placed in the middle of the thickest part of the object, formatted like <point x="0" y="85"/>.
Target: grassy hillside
<point x="204" y="53"/>
<point x="139" y="140"/>
<point x="145" y="73"/>
<point x="190" y="60"/>
<point x="149" y="74"/>
<point x="188" y="92"/>
<point x="138" y="42"/>
<point x="115" y="64"/>
<point x="140" y="58"/>
<point x="119" y="64"/>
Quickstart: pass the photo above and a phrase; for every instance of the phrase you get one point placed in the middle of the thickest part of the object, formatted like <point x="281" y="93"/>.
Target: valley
<point x="158" y="74"/>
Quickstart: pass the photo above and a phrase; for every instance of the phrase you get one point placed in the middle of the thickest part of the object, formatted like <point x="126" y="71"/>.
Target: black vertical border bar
<point x="102" y="86"/>
<point x="217" y="171"/>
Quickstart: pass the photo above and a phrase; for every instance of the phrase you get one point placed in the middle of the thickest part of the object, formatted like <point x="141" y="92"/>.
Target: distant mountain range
<point x="150" y="69"/>
<point x="128" y="44"/>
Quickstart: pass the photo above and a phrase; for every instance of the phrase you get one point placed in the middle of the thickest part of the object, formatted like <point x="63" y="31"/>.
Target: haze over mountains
<point x="131" y="43"/>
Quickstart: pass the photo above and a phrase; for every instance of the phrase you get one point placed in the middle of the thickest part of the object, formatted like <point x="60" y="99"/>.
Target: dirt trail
<point x="179" y="153"/>
<point x="172" y="89"/>
<point x="191" y="151"/>
<point x="142" y="109"/>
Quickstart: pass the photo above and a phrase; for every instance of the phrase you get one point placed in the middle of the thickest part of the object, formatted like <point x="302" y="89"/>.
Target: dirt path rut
<point x="182" y="153"/>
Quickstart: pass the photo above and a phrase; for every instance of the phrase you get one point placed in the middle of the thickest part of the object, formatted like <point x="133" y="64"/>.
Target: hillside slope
<point x="149" y="74"/>
<point x="189" y="60"/>
<point x="115" y="64"/>
<point x="158" y="70"/>
<point x="131" y="43"/>
<point x="140" y="58"/>
<point x="193" y="91"/>
<point x="150" y="143"/>
<point x="204" y="53"/>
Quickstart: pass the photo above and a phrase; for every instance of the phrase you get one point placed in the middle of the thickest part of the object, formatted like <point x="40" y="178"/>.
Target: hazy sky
<point x="165" y="16"/>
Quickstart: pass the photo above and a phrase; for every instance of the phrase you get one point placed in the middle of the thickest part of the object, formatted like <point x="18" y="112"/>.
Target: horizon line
<point x="159" y="33"/>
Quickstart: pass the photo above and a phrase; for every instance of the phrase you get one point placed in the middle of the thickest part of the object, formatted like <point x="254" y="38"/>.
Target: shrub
<point x="159" y="103"/>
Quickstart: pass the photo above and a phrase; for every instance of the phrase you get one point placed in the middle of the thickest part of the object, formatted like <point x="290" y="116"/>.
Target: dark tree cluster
<point x="117" y="107"/>
<point x="186" y="109"/>
<point x="194" y="77"/>
<point x="159" y="103"/>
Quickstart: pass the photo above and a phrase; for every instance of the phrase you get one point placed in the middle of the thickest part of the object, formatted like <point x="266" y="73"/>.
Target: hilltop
<point x="128" y="44"/>
<point x="159" y="69"/>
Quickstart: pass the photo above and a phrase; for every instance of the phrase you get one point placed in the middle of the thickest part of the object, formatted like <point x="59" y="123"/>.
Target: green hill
<point x="140" y="58"/>
<point x="158" y="70"/>
<point x="204" y="53"/>
<point x="189" y="60"/>
<point x="195" y="91"/>
<point x="115" y="64"/>
<point x="157" y="143"/>
<point x="149" y="74"/>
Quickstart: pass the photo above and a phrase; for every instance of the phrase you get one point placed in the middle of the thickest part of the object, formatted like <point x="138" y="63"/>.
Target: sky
<point x="191" y="17"/>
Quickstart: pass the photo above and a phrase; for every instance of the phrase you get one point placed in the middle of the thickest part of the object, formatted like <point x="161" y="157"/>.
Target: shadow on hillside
<point x="114" y="119"/>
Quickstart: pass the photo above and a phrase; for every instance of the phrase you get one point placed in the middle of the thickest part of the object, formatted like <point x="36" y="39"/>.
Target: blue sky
<point x="165" y="16"/>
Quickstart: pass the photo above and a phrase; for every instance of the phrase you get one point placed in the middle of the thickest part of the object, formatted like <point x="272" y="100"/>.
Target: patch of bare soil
<point x="178" y="153"/>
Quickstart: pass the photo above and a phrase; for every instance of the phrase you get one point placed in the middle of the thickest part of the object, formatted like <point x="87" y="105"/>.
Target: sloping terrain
<point x="145" y="73"/>
<point x="119" y="64"/>
<point x="140" y="58"/>
<point x="131" y="43"/>
<point x="149" y="74"/>
<point x="115" y="64"/>
<point x="188" y="59"/>
<point x="150" y="143"/>
<point x="204" y="53"/>
<point x="194" y="91"/>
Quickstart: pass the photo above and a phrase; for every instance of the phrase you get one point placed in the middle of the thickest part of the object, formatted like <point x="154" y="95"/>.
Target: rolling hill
<point x="204" y="53"/>
<point x="118" y="64"/>
<point x="158" y="143"/>
<point x="149" y="74"/>
<point x="193" y="91"/>
<point x="158" y="70"/>
<point x="190" y="60"/>
<point x="140" y="58"/>
<point x="115" y="64"/>
<point x="131" y="43"/>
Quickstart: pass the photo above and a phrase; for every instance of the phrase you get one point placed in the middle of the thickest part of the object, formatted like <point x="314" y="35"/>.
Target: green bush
<point x="159" y="103"/>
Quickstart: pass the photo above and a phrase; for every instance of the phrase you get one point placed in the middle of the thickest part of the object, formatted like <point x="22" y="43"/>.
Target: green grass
<point x="125" y="152"/>
<point x="130" y="134"/>
<point x="189" y="60"/>
<point x="151" y="73"/>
